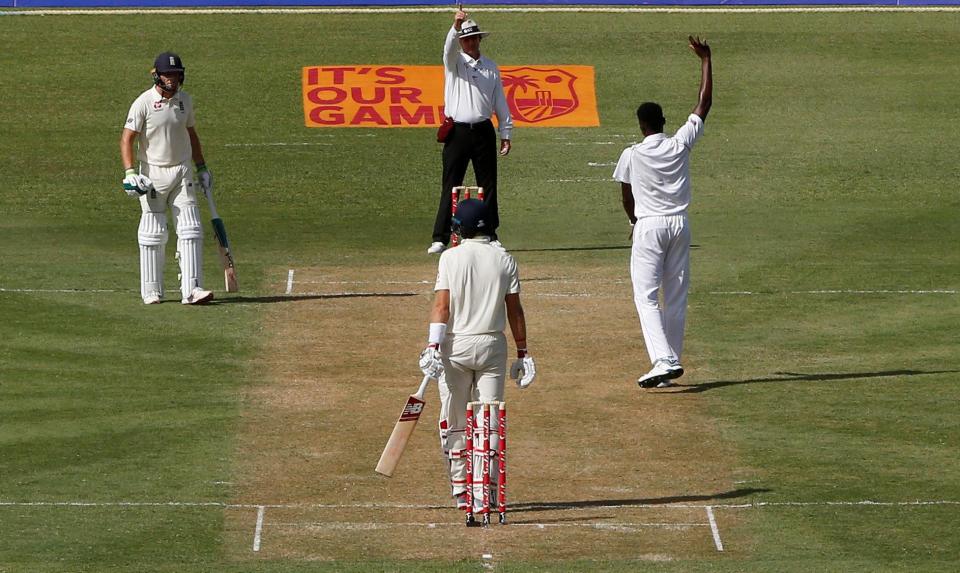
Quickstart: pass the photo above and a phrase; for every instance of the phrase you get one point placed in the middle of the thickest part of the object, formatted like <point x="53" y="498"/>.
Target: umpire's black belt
<point x="477" y="125"/>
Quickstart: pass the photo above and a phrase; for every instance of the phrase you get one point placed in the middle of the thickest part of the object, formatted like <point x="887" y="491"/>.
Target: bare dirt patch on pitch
<point x="597" y="468"/>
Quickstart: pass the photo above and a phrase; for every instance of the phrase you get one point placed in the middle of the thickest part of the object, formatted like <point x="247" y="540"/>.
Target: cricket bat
<point x="402" y="431"/>
<point x="223" y="244"/>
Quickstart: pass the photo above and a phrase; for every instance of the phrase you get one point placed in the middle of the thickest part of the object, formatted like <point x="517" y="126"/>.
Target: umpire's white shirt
<point x="658" y="170"/>
<point x="472" y="89"/>
<point x="478" y="276"/>
<point x="162" y="125"/>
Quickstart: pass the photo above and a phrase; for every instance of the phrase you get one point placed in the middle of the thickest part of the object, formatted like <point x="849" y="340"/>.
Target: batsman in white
<point x="161" y="121"/>
<point x="477" y="292"/>
<point x="654" y="178"/>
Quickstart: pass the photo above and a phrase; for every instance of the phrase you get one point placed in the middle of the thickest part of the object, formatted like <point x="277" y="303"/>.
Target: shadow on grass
<point x="562" y="249"/>
<point x="315" y="296"/>
<point x="617" y="503"/>
<point x="797" y="377"/>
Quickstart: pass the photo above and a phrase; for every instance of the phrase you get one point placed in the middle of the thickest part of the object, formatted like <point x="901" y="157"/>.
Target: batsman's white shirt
<point x="478" y="276"/>
<point x="472" y="89"/>
<point x="162" y="125"/>
<point x="658" y="170"/>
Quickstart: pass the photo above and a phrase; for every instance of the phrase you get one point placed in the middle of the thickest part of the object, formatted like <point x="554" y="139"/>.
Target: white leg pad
<point x="152" y="236"/>
<point x="190" y="248"/>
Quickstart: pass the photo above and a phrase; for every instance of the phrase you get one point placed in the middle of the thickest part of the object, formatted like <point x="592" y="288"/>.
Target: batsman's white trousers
<point x="660" y="264"/>
<point x="175" y="188"/>
<point x="475" y="367"/>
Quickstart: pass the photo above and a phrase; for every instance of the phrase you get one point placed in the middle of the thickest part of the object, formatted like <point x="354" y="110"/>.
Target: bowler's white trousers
<point x="475" y="367"/>
<point x="660" y="264"/>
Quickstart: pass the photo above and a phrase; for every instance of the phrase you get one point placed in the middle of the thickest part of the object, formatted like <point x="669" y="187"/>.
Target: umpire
<point x="476" y="294"/>
<point x="472" y="93"/>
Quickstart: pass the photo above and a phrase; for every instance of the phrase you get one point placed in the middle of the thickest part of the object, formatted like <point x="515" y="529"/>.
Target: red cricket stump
<point x="479" y="455"/>
<point x="502" y="450"/>
<point x="455" y="200"/>
<point x="469" y="463"/>
<point x="485" y="452"/>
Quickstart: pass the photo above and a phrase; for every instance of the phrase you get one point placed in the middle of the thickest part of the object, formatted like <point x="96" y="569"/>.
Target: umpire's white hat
<point x="470" y="28"/>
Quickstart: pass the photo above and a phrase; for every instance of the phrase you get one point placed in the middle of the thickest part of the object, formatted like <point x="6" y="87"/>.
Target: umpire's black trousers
<point x="475" y="142"/>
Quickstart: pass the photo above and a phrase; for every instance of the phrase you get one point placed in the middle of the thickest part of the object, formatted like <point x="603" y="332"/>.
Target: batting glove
<point x="523" y="370"/>
<point x="135" y="184"/>
<point x="431" y="363"/>
<point x="205" y="177"/>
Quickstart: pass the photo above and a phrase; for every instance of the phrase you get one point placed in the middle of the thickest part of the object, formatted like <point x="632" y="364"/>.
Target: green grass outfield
<point x="829" y="164"/>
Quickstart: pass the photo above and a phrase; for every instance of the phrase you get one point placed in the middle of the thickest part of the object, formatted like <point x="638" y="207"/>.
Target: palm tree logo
<point x="537" y="94"/>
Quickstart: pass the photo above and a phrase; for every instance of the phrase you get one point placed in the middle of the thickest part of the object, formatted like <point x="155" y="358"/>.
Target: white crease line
<point x="595" y="164"/>
<point x="714" y="529"/>
<point x="625" y="527"/>
<point x="552" y="505"/>
<point x="487" y="9"/>
<point x="348" y="294"/>
<point x="261" y="510"/>
<point x="289" y="281"/>
<point x="581" y="180"/>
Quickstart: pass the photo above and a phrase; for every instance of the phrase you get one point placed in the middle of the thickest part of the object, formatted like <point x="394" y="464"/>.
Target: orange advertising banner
<point x="412" y="96"/>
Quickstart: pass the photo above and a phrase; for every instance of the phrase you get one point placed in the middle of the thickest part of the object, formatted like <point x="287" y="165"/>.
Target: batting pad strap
<point x="437" y="331"/>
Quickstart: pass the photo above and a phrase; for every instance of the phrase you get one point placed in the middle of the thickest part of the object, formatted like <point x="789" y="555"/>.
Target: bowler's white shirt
<point x="162" y="125"/>
<point x="478" y="276"/>
<point x="658" y="170"/>
<point x="472" y="89"/>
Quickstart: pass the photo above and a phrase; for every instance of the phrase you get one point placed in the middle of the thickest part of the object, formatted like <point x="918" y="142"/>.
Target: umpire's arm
<point x="518" y="323"/>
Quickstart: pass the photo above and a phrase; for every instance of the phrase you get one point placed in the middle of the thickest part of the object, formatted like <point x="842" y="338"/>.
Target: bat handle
<point x="213" y="206"/>
<point x="423" y="387"/>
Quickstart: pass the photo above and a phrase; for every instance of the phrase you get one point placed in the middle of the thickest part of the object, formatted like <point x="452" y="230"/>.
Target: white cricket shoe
<point x="198" y="296"/>
<point x="152" y="298"/>
<point x="661" y="374"/>
<point x="436" y="248"/>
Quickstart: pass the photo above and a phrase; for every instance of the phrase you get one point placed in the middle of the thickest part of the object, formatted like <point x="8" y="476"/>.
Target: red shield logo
<point x="539" y="94"/>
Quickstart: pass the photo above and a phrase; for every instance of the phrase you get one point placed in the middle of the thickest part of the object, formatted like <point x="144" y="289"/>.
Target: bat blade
<point x="402" y="431"/>
<point x="400" y="436"/>
<point x="226" y="257"/>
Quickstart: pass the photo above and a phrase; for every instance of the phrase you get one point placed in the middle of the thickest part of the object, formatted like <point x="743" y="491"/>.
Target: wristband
<point x="521" y="353"/>
<point x="201" y="167"/>
<point x="130" y="171"/>
<point x="437" y="331"/>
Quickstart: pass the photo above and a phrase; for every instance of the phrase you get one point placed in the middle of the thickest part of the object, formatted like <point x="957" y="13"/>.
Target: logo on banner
<point x="412" y="96"/>
<point x="535" y="95"/>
